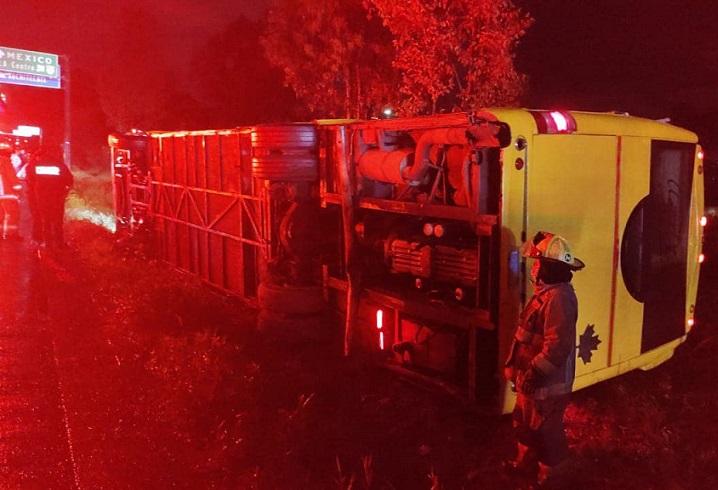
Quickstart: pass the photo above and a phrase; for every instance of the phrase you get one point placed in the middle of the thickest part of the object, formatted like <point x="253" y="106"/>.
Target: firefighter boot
<point x="550" y="476"/>
<point x="524" y="463"/>
<point x="10" y="211"/>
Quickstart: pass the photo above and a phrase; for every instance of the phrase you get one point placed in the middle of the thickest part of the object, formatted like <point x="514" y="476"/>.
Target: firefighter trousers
<point x="539" y="425"/>
<point x="9" y="216"/>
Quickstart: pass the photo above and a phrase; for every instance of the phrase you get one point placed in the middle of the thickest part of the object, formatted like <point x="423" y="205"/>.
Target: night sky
<point x="88" y="29"/>
<point x="112" y="46"/>
<point x="650" y="58"/>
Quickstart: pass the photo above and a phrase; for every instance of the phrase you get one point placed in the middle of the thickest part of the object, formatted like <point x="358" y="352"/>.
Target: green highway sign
<point x="34" y="63"/>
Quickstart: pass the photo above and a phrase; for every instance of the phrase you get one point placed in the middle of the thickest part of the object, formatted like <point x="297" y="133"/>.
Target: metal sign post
<point x="68" y="119"/>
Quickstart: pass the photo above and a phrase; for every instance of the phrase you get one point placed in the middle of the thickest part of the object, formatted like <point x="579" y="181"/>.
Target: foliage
<point x="429" y="56"/>
<point x="217" y="406"/>
<point x="234" y="80"/>
<point x="140" y="90"/>
<point x="335" y="58"/>
<point x="135" y="94"/>
<point x="91" y="190"/>
<point x="454" y="53"/>
<point x="90" y="123"/>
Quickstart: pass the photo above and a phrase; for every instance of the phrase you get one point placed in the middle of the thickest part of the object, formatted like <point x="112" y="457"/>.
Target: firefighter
<point x="541" y="362"/>
<point x="9" y="197"/>
<point x="48" y="185"/>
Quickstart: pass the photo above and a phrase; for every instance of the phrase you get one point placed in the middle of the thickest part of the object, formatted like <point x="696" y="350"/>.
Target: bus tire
<point x="285" y="153"/>
<point x="281" y="326"/>
<point x="292" y="300"/>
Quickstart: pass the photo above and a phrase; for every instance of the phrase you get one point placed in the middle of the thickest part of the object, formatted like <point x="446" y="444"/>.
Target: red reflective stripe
<point x="616" y="230"/>
<point x="47" y="170"/>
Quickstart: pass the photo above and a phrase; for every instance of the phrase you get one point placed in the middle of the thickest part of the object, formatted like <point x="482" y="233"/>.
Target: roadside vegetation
<point x="249" y="411"/>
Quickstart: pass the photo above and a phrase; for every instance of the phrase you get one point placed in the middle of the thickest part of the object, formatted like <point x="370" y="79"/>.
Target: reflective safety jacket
<point x="48" y="183"/>
<point x="545" y="340"/>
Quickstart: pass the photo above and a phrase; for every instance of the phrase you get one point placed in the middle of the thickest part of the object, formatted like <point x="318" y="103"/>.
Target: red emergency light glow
<point x="691" y="322"/>
<point x="554" y="122"/>
<point x="47" y="170"/>
<point x="560" y="121"/>
<point x="380" y="326"/>
<point x="701" y="258"/>
<point x="700" y="154"/>
<point x="704" y="220"/>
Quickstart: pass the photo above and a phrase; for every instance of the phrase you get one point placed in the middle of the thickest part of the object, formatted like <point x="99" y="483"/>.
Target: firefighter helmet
<point x="547" y="246"/>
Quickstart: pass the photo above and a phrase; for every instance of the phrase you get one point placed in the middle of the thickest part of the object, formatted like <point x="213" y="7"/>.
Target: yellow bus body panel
<point x="584" y="186"/>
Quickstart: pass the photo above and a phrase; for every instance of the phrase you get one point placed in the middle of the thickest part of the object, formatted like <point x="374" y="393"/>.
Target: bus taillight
<point x="380" y="327"/>
<point x="554" y="122"/>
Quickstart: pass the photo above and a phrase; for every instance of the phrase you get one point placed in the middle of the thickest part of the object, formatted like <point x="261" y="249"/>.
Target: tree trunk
<point x="353" y="267"/>
<point x="347" y="93"/>
<point x="359" y="111"/>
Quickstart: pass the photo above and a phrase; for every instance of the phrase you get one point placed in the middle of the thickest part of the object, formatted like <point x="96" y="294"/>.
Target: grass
<point x="255" y="414"/>
<point x="91" y="190"/>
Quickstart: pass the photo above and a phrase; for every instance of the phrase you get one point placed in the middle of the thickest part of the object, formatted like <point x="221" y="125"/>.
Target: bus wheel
<point x="292" y="300"/>
<point x="292" y="328"/>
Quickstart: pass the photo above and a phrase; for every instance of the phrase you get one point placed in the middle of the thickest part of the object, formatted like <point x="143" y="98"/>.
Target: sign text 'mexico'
<point x="29" y="62"/>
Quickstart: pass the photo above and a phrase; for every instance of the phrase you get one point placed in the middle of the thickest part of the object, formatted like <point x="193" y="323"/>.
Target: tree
<point x="334" y="56"/>
<point x="135" y="92"/>
<point x="454" y="53"/>
<point x="89" y="122"/>
<point x="236" y="82"/>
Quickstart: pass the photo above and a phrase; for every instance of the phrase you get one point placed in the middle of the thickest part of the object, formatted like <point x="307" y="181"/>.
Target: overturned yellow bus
<point x="413" y="227"/>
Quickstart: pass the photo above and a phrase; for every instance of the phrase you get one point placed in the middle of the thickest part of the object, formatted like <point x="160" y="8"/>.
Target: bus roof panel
<point x="625" y="125"/>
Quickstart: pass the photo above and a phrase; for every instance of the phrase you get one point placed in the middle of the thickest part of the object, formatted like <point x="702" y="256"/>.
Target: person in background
<point x="542" y="359"/>
<point x="19" y="162"/>
<point x="10" y="188"/>
<point x="48" y="183"/>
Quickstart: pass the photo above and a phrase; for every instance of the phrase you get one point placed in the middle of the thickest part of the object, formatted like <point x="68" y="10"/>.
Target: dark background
<point x="174" y="64"/>
<point x="650" y="58"/>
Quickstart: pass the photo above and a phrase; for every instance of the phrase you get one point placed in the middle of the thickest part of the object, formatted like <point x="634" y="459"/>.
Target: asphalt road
<point x="72" y="414"/>
<point x="36" y="443"/>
